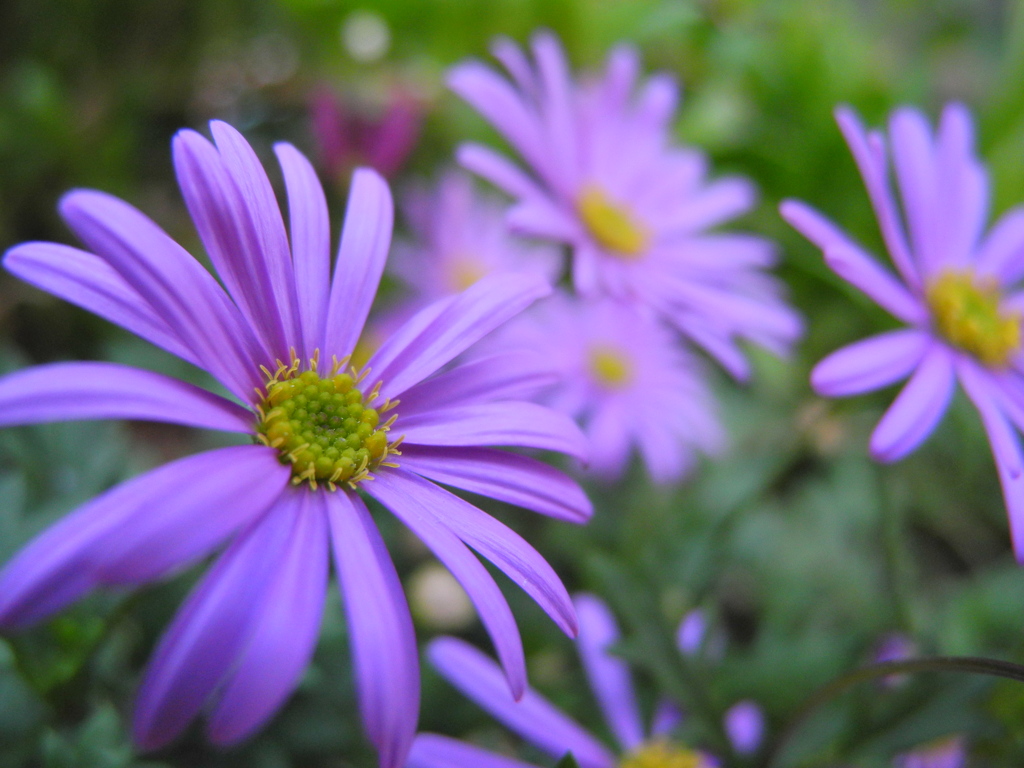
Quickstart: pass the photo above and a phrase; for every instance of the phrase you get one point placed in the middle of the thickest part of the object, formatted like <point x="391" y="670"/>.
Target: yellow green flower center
<point x="323" y="426"/>
<point x="464" y="272"/>
<point x="609" y="367"/>
<point x="968" y="314"/>
<point x="612" y="224"/>
<point x="664" y="754"/>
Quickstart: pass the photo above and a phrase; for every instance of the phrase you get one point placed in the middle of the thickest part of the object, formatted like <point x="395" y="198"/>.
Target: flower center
<point x="664" y="754"/>
<point x="464" y="272"/>
<point x="967" y="313"/>
<point x="612" y="225"/>
<point x="609" y="367"/>
<point x="323" y="426"/>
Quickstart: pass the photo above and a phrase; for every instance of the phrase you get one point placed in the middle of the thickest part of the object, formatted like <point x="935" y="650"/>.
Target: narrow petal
<point x="285" y="629"/>
<point x="515" y="375"/>
<point x="501" y="475"/>
<point x="65" y="391"/>
<point x="541" y="218"/>
<point x="608" y="675"/>
<point x="667" y="717"/>
<point x="511" y="423"/>
<point x="917" y="408"/>
<point x="718" y="202"/>
<point x="210" y="630"/>
<point x="365" y="240"/>
<point x="870" y="364"/>
<point x="431" y="750"/>
<point x="532" y="717"/>
<point x="311" y="242"/>
<point x="516" y="63"/>
<point x="865" y="274"/>
<point x="465" y="567"/>
<point x="173" y="283"/>
<point x="1001" y="253"/>
<point x="744" y="725"/>
<point x="463" y="321"/>
<point x="814" y="226"/>
<point x="87" y="281"/>
<point x="963" y="202"/>
<point x="498" y="170"/>
<point x="556" y="102"/>
<point x="382" y="638"/>
<point x="913" y="156"/>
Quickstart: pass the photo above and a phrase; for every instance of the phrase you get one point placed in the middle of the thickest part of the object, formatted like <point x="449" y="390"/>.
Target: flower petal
<point x="86" y="280"/>
<point x="608" y="675"/>
<point x="464" y="320"/>
<point x="501" y="475"/>
<point x="864" y="273"/>
<point x="917" y="408"/>
<point x="532" y="717"/>
<point x="719" y="201"/>
<point x="1001" y="253"/>
<point x="365" y="240"/>
<point x="497" y="169"/>
<point x="431" y="750"/>
<point x="870" y="364"/>
<point x="744" y="725"/>
<point x="504" y="423"/>
<point x="383" y="641"/>
<point x="65" y="391"/>
<point x="173" y="283"/>
<point x="556" y="102"/>
<point x="963" y="202"/>
<point x="210" y="630"/>
<point x="311" y="242"/>
<point x="284" y="633"/>
<point x="913" y="156"/>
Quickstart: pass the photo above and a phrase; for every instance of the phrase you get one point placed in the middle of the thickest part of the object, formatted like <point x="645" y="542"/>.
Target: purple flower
<point x="461" y="237"/>
<point x="635" y="209"/>
<point x="539" y="722"/>
<point x="628" y="380"/>
<point x="943" y="753"/>
<point x="954" y="287"/>
<point x="277" y="339"/>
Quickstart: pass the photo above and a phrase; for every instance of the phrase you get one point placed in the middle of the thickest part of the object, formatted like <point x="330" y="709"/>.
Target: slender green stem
<point x="970" y="664"/>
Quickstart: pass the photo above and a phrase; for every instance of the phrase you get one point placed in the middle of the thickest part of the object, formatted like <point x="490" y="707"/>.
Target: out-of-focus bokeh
<point x="803" y="554"/>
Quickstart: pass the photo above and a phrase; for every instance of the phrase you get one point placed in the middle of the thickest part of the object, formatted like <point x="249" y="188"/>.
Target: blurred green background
<point x="803" y="554"/>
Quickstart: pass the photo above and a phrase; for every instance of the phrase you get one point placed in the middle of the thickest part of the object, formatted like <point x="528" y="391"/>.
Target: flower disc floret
<point x="663" y="754"/>
<point x="611" y="224"/>
<point x="324" y="427"/>
<point x="967" y="313"/>
<point x="610" y="367"/>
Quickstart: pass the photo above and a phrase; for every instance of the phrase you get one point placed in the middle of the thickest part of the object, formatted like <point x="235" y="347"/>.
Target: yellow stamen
<point x="613" y="225"/>
<point x="610" y="367"/>
<point x="664" y="754"/>
<point x="967" y="313"/>
<point x="463" y="272"/>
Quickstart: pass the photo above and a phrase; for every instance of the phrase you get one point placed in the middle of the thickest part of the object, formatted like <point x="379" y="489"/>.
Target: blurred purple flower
<point x="607" y="180"/>
<point x="316" y="438"/>
<point x="944" y="753"/>
<point x="894" y="647"/>
<point x="548" y="728"/>
<point x="346" y="139"/>
<point x="461" y="237"/>
<point x="955" y="289"/>
<point x="628" y="380"/>
<point x="744" y="725"/>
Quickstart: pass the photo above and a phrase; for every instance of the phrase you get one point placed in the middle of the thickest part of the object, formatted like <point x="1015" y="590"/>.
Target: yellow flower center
<point x="664" y="754"/>
<point x="464" y="272"/>
<point x="610" y="368"/>
<point x="323" y="426"/>
<point x="967" y="312"/>
<point x="611" y="224"/>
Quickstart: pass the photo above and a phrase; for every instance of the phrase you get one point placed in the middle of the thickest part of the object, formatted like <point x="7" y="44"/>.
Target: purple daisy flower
<point x="607" y="180"/>
<point x="277" y="339"/>
<point x="551" y="730"/>
<point x="955" y="288"/>
<point x="628" y="380"/>
<point x="461" y="237"/>
<point x="943" y="753"/>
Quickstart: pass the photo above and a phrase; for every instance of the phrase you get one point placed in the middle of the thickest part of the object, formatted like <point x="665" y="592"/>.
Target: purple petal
<point x="667" y="717"/>
<point x="509" y="376"/>
<point x="508" y="477"/>
<point x="65" y="391"/>
<point x="284" y="630"/>
<point x="463" y="321"/>
<point x="210" y="630"/>
<point x="515" y="61"/>
<point x="87" y="281"/>
<point x="914" y="159"/>
<point x="383" y="641"/>
<point x="532" y="717"/>
<point x="225" y="202"/>
<point x="492" y="539"/>
<point x="539" y="217"/>
<point x="608" y="675"/>
<point x="431" y="750"/>
<point x="963" y="203"/>
<point x="1001" y="253"/>
<point x="717" y="202"/>
<point x="917" y="408"/>
<point x="511" y="423"/>
<point x="498" y="170"/>
<point x="864" y="273"/>
<point x="556" y="102"/>
<point x="311" y="242"/>
<point x="173" y="283"/>
<point x="691" y="631"/>
<point x="870" y="364"/>
<point x="365" y="239"/>
<point x="465" y="567"/>
<point x="744" y="725"/>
